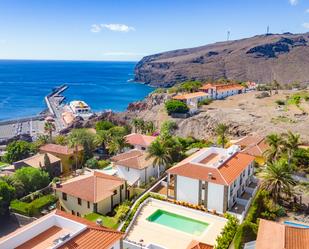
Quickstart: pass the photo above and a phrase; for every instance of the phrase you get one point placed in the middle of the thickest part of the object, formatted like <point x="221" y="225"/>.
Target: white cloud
<point x="306" y="25"/>
<point x="95" y="28"/>
<point x="293" y="2"/>
<point x="112" y="26"/>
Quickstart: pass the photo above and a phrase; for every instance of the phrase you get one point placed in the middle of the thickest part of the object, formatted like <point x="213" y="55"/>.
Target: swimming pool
<point x="178" y="222"/>
<point x="290" y="223"/>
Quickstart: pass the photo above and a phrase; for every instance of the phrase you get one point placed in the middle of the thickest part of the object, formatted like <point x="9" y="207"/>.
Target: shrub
<point x="104" y="125"/>
<point x="92" y="163"/>
<point x="246" y="232"/>
<point x="176" y="106"/>
<point x="226" y="236"/>
<point x="280" y="102"/>
<point x="204" y="102"/>
<point x="103" y="163"/>
<point x="34" y="207"/>
<point x="122" y="210"/>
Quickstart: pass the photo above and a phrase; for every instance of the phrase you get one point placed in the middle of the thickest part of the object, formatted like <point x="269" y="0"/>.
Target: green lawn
<point x="107" y="221"/>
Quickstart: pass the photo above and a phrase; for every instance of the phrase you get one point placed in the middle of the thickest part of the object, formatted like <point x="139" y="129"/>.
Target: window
<point x="88" y="204"/>
<point x="143" y="148"/>
<point x="78" y="214"/>
<point x="79" y="201"/>
<point x="64" y="196"/>
<point x="115" y="191"/>
<point x="73" y="213"/>
<point x="121" y="187"/>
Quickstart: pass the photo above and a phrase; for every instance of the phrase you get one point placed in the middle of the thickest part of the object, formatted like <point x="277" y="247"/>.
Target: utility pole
<point x="228" y="35"/>
<point x="267" y="32"/>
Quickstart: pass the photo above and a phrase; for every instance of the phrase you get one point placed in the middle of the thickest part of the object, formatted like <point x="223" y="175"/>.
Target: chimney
<point x="209" y="176"/>
<point x="99" y="222"/>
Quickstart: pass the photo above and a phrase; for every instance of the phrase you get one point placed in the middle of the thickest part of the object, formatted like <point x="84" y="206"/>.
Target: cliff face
<point x="261" y="59"/>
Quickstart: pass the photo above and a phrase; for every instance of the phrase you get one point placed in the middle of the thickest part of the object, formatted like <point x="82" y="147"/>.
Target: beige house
<point x="94" y="192"/>
<point x="38" y="161"/>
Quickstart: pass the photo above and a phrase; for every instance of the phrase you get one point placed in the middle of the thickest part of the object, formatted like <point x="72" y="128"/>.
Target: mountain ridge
<point x="261" y="58"/>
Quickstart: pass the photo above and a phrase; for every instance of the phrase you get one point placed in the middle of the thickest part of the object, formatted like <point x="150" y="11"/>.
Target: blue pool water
<point x="290" y="223"/>
<point x="103" y="85"/>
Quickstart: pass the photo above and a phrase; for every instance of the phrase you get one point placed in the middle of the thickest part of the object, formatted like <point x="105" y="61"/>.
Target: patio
<point x="237" y="208"/>
<point x="246" y="196"/>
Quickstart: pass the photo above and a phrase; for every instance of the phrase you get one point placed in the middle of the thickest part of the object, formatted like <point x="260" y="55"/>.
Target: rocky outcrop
<point x="263" y="58"/>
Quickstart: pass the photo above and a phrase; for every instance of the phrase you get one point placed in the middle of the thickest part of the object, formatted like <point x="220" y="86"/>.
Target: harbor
<point x="30" y="128"/>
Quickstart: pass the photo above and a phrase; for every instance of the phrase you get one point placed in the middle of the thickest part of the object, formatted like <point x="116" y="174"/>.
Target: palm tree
<point x="291" y="144"/>
<point x="102" y="138"/>
<point x="74" y="141"/>
<point x="275" y="142"/>
<point x="159" y="153"/>
<point x="221" y="131"/>
<point x="117" y="144"/>
<point x="49" y="127"/>
<point x="149" y="127"/>
<point x="277" y="179"/>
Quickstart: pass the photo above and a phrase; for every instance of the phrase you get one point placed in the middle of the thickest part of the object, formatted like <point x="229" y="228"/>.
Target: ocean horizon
<point x="103" y="85"/>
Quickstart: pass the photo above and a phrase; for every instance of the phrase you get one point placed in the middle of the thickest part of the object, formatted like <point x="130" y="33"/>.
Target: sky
<point x="128" y="30"/>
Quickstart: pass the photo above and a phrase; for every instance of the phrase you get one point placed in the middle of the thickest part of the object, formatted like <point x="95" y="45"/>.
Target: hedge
<point x="176" y="106"/>
<point x="246" y="232"/>
<point x="226" y="236"/>
<point x="34" y="207"/>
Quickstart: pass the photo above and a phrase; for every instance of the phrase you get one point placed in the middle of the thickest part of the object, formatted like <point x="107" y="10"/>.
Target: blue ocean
<point x="103" y="85"/>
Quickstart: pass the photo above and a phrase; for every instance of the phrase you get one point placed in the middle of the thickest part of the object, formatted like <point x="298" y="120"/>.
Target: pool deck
<point x="151" y="232"/>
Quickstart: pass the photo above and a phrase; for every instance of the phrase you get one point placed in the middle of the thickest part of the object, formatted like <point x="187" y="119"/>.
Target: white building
<point x="221" y="91"/>
<point x="80" y="108"/>
<point x="63" y="231"/>
<point x="220" y="179"/>
<point x="139" y="141"/>
<point x="192" y="99"/>
<point x="91" y="193"/>
<point x="135" y="167"/>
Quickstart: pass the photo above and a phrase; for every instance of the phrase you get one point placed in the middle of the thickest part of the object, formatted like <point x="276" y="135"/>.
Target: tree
<point x="221" y="131"/>
<point x="190" y="86"/>
<point x="48" y="166"/>
<point x="17" y="184"/>
<point x="92" y="163"/>
<point x="149" y="128"/>
<point x="6" y="195"/>
<point x="275" y="149"/>
<point x="60" y="139"/>
<point x="291" y="144"/>
<point x="117" y="144"/>
<point x="49" y="127"/>
<point x="158" y="152"/>
<point x="103" y="125"/>
<point x="138" y="125"/>
<point x="32" y="179"/>
<point x="18" y="150"/>
<point x="168" y="128"/>
<point x="176" y="106"/>
<point x="277" y="179"/>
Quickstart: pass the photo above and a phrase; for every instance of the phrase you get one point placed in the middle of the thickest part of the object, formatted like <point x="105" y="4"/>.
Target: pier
<point x="34" y="125"/>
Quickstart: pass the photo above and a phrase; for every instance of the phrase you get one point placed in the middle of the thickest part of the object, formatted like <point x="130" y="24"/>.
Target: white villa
<point x="221" y="91"/>
<point x="220" y="179"/>
<point x="61" y="230"/>
<point x="94" y="192"/>
<point x="192" y="99"/>
<point x="135" y="168"/>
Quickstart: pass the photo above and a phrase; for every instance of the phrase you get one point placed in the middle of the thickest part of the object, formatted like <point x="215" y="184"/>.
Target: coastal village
<point x="117" y="185"/>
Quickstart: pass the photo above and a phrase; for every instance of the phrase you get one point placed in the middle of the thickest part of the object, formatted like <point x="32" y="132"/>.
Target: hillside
<point x="244" y="114"/>
<point x="262" y="58"/>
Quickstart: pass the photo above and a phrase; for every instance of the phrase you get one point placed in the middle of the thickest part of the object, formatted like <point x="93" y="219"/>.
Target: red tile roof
<point x="93" y="187"/>
<point x="199" y="245"/>
<point x="225" y="174"/>
<point x="58" y="149"/>
<point x="136" y="159"/>
<point x="222" y="87"/>
<point x="139" y="139"/>
<point x="254" y="145"/>
<point x="190" y="95"/>
<point x="273" y="235"/>
<point x="94" y="237"/>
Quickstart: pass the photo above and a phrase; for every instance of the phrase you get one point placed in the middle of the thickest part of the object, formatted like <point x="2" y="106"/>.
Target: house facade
<point x="135" y="167"/>
<point x="65" y="154"/>
<point x="192" y="99"/>
<point x="139" y="141"/>
<point x="38" y="161"/>
<point x="214" y="177"/>
<point x="94" y="192"/>
<point x="221" y="91"/>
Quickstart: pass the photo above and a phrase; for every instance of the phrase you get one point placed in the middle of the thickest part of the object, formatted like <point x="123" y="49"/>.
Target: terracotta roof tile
<point x="253" y="145"/>
<point x="222" y="87"/>
<point x="273" y="235"/>
<point x="224" y="174"/>
<point x="199" y="245"/>
<point x="136" y="159"/>
<point x="190" y="95"/>
<point x="59" y="149"/>
<point x="37" y="160"/>
<point x="139" y="139"/>
<point x="93" y="187"/>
